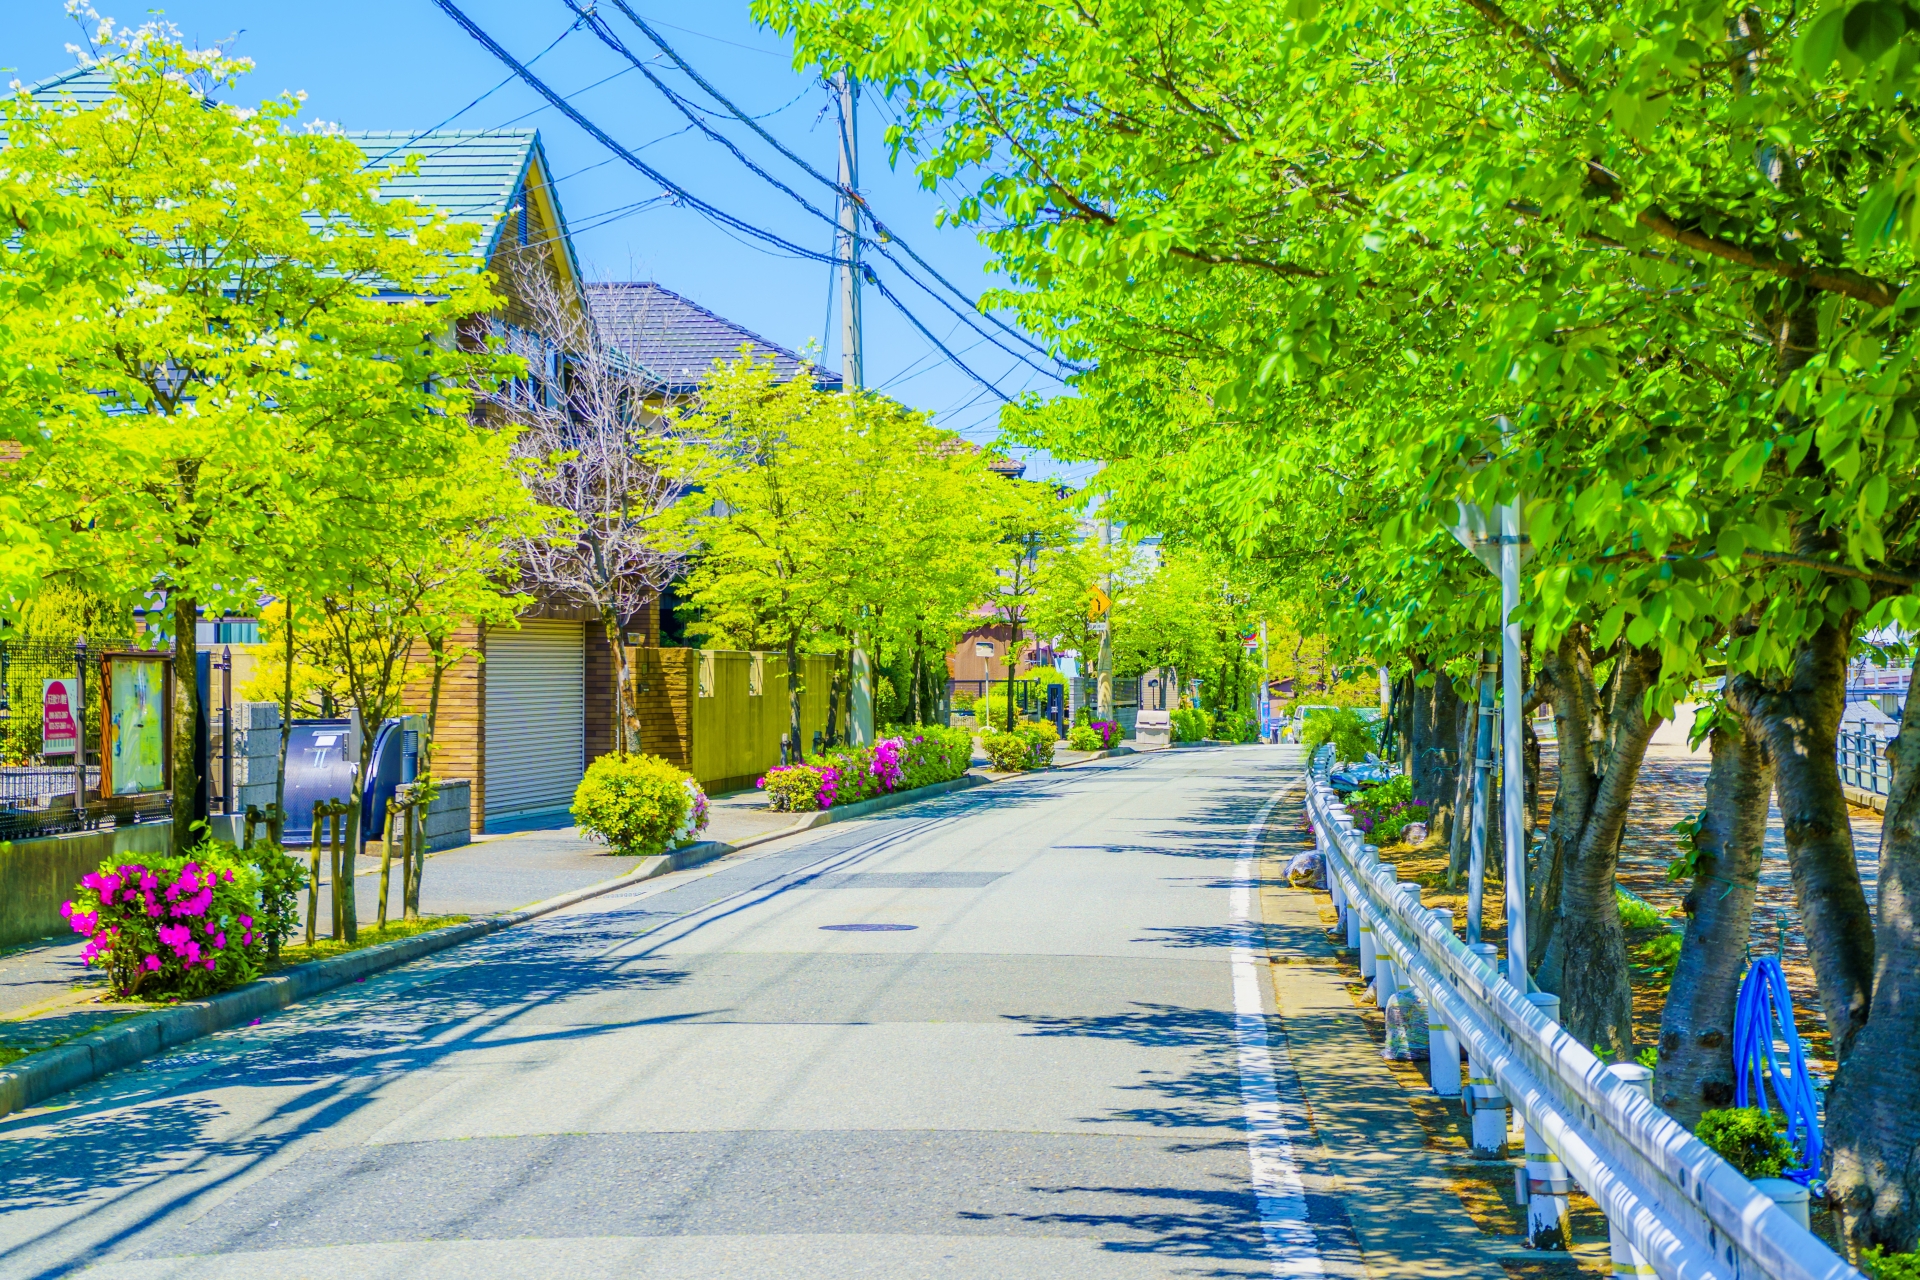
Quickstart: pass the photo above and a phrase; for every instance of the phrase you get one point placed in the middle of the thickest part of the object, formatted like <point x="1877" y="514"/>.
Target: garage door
<point x="536" y="717"/>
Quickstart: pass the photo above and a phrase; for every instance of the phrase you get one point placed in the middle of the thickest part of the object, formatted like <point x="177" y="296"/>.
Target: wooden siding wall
<point x="736" y="733"/>
<point x="460" y="739"/>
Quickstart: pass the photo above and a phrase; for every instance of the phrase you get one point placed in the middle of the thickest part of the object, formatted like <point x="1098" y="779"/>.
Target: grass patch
<point x="327" y="948"/>
<point x="12" y="1053"/>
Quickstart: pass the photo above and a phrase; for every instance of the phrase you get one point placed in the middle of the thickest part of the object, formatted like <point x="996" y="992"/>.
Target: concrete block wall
<point x="36" y="876"/>
<point x="256" y="752"/>
<point x="449" y="819"/>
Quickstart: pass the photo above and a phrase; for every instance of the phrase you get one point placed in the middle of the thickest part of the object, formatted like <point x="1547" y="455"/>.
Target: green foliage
<point x="1648" y="1057"/>
<point x="1745" y="1137"/>
<point x="1084" y="737"/>
<point x="1351" y="734"/>
<point x="796" y="788"/>
<point x="1686" y="865"/>
<point x="1190" y="724"/>
<point x="283" y="878"/>
<point x="1384" y="810"/>
<point x="1881" y="1265"/>
<point x="1029" y="746"/>
<point x="632" y="803"/>
<point x="1635" y="914"/>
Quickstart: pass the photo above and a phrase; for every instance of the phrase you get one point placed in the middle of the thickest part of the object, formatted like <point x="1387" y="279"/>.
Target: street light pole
<point x="1513" y="770"/>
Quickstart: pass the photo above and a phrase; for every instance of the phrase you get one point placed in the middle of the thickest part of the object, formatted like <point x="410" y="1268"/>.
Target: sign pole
<point x="80" y="722"/>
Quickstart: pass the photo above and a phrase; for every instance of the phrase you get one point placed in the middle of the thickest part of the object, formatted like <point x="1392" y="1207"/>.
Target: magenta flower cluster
<point x="1109" y="732"/>
<point x="886" y="767"/>
<point x="167" y="923"/>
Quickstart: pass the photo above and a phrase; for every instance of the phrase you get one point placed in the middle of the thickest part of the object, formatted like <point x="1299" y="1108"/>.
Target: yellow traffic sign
<point x="1099" y="604"/>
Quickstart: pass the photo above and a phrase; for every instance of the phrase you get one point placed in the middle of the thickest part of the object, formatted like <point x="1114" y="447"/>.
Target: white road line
<point x="1291" y="1242"/>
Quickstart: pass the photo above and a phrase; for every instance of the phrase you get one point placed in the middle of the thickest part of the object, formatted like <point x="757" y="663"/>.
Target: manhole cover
<point x="868" y="928"/>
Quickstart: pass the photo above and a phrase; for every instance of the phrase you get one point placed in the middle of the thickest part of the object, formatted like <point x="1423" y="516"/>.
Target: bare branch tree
<point x="594" y="449"/>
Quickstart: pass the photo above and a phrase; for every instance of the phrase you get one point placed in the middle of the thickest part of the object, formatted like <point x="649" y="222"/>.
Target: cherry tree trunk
<point x="1695" y="1067"/>
<point x="1873" y="1112"/>
<point x="1801" y="723"/>
<point x="1584" y="957"/>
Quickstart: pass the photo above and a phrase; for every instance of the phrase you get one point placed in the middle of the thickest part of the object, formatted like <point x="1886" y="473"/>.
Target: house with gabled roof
<point x="678" y="341"/>
<point x="522" y="717"/>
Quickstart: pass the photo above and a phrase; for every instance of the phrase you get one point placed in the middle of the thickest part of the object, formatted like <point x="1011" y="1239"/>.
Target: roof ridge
<point x="707" y="312"/>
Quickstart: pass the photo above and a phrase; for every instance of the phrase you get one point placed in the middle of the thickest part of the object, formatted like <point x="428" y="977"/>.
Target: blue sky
<point x="404" y="64"/>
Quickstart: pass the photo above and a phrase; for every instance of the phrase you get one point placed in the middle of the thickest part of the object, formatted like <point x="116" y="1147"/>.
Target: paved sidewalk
<point x="1399" y="1196"/>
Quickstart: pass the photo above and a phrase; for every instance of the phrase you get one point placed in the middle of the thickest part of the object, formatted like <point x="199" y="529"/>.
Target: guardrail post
<point x="1626" y="1259"/>
<point x="1485" y="1106"/>
<point x="1548" y="1226"/>
<point x="1443" y="1051"/>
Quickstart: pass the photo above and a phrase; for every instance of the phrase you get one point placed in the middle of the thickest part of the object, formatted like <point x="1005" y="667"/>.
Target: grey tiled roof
<point x="678" y="341"/>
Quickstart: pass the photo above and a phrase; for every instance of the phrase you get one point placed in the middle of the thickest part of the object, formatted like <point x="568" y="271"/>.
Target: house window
<point x="227" y="631"/>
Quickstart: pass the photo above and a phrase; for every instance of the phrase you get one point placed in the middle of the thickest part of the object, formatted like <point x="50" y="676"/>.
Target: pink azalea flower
<point x="153" y="964"/>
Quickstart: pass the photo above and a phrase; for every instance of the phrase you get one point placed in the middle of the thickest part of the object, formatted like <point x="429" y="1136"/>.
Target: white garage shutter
<point x="536" y="717"/>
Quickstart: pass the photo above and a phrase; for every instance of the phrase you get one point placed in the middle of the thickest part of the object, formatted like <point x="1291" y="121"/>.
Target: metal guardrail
<point x="1864" y="764"/>
<point x="1688" y="1213"/>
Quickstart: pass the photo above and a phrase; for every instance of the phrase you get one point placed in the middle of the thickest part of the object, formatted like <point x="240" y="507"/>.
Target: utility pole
<point x="1103" y="688"/>
<point x="860" y="701"/>
<point x="849" y="239"/>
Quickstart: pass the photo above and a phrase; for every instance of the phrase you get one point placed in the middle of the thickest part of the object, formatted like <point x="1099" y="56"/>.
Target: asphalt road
<point x="1014" y="1032"/>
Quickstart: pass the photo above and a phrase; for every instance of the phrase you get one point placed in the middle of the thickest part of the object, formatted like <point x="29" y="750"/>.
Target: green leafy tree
<point x="234" y="334"/>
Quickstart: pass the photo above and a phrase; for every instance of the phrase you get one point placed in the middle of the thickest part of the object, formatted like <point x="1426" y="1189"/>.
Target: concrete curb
<point x="42" y="1075"/>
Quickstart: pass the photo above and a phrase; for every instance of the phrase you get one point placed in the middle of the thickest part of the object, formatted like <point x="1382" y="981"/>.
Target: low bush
<point x="1236" y="726"/>
<point x="1109" y="731"/>
<point x="1635" y="914"/>
<point x="1028" y="747"/>
<point x="1349" y="732"/>
<point x="172" y="926"/>
<point x="1384" y="810"/>
<point x="1745" y="1137"/>
<point x="800" y="788"/>
<point x="909" y="757"/>
<point x="1881" y="1265"/>
<point x="1190" y="724"/>
<point x="635" y="804"/>
<point x="1085" y="738"/>
<point x="1008" y="752"/>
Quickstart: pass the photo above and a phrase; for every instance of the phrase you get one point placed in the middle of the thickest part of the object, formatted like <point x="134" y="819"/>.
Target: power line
<point x="686" y="197"/>
<point x="607" y="37"/>
<point x="571" y="28"/>
<point x="887" y="234"/>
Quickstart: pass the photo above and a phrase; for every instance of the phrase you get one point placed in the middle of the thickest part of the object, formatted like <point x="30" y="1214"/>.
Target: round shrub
<point x="1008" y="752"/>
<point x="801" y="788"/>
<point x="184" y="926"/>
<point x="1745" y="1137"/>
<point x="1085" y="738"/>
<point x="635" y="804"/>
<point x="1109" y="731"/>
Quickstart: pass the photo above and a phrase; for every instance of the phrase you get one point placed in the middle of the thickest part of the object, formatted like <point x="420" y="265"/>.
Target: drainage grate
<point x="868" y="928"/>
<point x="902" y="880"/>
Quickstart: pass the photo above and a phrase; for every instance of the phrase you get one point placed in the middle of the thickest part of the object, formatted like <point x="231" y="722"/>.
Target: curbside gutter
<point x="42" y="1075"/>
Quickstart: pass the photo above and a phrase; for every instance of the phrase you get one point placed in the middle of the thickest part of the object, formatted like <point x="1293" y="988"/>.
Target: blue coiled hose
<point x="1763" y="1000"/>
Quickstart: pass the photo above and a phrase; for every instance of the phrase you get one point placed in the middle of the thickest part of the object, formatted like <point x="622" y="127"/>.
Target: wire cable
<point x="595" y="24"/>
<point x="660" y="43"/>
<point x="690" y="200"/>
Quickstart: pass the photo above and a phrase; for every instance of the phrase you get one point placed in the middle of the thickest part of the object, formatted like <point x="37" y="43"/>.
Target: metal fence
<point x="1684" y="1210"/>
<point x="1864" y="763"/>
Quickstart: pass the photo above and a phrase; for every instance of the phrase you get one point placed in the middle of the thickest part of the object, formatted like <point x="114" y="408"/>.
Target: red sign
<point x="59" y="729"/>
